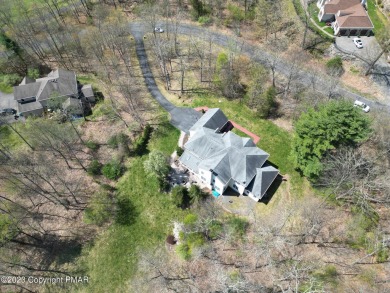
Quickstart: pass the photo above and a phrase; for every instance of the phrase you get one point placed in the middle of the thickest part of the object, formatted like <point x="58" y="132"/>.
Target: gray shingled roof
<point x="26" y="90"/>
<point x="23" y="108"/>
<point x="62" y="82"/>
<point x="227" y="154"/>
<point x="263" y="180"/>
<point x="87" y="90"/>
<point x="212" y="119"/>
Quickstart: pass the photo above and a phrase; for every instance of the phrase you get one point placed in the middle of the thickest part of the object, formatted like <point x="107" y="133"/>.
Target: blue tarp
<point x="216" y="194"/>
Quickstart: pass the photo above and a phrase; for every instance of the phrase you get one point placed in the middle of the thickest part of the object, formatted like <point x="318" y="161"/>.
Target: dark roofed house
<point x="224" y="159"/>
<point x="348" y="17"/>
<point x="32" y="95"/>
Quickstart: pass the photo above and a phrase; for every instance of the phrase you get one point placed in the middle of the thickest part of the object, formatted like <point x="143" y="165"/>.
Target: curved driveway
<point x="182" y="118"/>
<point x="323" y="83"/>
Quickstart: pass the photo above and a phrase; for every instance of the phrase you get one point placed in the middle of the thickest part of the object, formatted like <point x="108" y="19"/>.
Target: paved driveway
<point x="370" y="49"/>
<point x="323" y="83"/>
<point x="7" y="101"/>
<point x="181" y="118"/>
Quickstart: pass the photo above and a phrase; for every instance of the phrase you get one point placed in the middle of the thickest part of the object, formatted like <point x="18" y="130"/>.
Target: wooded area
<point x="89" y="197"/>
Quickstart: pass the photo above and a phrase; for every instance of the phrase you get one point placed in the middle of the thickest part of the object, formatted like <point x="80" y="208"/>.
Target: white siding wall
<point x="205" y="175"/>
<point x="252" y="196"/>
<point x="219" y="186"/>
<point x="238" y="187"/>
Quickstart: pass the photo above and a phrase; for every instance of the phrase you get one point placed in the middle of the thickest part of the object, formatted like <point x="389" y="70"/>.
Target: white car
<point x="158" y="30"/>
<point x="358" y="43"/>
<point x="362" y="105"/>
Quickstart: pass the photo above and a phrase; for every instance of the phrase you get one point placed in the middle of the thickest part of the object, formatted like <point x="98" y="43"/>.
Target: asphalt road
<point x="323" y="84"/>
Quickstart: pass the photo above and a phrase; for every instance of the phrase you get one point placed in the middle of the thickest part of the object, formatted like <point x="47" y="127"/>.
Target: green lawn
<point x="145" y="221"/>
<point x="377" y="18"/>
<point x="9" y="138"/>
<point x="313" y="12"/>
<point x="329" y="30"/>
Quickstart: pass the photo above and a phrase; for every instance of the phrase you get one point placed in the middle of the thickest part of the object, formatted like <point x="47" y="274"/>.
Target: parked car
<point x="7" y="111"/>
<point x="358" y="43"/>
<point x="362" y="105"/>
<point x="158" y="30"/>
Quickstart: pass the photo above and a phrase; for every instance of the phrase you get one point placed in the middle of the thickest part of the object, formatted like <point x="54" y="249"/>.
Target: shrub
<point x="92" y="145"/>
<point x="237" y="227"/>
<point x="112" y="170"/>
<point x="179" y="151"/>
<point x="204" y="20"/>
<point x="195" y="239"/>
<point x="327" y="275"/>
<point x="142" y="142"/>
<point x="267" y="105"/>
<point x="214" y="229"/>
<point x="383" y="254"/>
<point x="94" y="168"/>
<point x="196" y="194"/>
<point x="33" y="73"/>
<point x="334" y="66"/>
<point x="183" y="250"/>
<point x="180" y="196"/>
<point x="190" y="219"/>
<point x="113" y="141"/>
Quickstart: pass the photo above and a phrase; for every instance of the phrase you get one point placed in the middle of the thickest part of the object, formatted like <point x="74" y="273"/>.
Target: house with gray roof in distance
<point x="223" y="159"/>
<point x="33" y="96"/>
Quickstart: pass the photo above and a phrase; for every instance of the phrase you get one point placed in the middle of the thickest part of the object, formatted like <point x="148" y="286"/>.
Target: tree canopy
<point x="334" y="124"/>
<point x="156" y="165"/>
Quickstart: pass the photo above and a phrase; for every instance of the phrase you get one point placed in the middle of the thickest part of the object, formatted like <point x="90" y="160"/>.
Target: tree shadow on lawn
<point x="126" y="213"/>
<point x="59" y="250"/>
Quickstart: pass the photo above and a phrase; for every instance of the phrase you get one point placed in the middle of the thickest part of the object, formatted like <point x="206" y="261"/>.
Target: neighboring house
<point x="33" y="95"/>
<point x="348" y="17"/>
<point x="223" y="159"/>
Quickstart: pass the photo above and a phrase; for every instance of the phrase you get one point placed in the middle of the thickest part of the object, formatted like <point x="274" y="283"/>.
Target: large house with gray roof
<point x="222" y="159"/>
<point x="33" y="95"/>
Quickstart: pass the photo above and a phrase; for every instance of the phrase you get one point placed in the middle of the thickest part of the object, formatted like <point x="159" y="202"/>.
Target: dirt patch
<point x="353" y="78"/>
<point x="283" y="123"/>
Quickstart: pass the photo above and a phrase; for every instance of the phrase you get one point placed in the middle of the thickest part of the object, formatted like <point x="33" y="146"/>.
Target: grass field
<point x="377" y="18"/>
<point x="143" y="221"/>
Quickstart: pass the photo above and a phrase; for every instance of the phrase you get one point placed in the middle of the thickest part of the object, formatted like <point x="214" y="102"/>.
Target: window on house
<point x="201" y="177"/>
<point x="215" y="174"/>
<point x="235" y="187"/>
<point x="217" y="188"/>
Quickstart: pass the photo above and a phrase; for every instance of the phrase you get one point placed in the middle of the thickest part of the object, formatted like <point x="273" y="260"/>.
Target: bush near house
<point x="112" y="170"/>
<point x="141" y="143"/>
<point x="180" y="196"/>
<point x="179" y="151"/>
